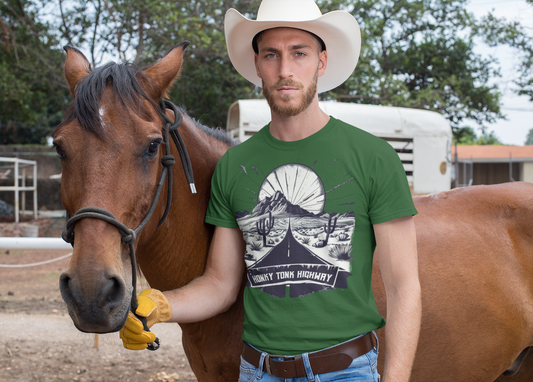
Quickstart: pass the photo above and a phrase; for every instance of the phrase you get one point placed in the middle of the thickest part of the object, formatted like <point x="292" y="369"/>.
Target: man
<point x="311" y="196"/>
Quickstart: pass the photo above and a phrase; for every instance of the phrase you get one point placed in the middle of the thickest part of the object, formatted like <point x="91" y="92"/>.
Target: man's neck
<point x="300" y="126"/>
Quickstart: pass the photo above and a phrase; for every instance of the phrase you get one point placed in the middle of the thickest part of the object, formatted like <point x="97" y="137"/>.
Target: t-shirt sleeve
<point x="219" y="211"/>
<point x="390" y="197"/>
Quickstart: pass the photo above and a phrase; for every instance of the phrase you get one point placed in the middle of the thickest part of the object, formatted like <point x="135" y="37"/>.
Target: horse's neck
<point x="175" y="253"/>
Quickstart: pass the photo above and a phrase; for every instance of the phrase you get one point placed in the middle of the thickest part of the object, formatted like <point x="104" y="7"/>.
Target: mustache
<point x="286" y="82"/>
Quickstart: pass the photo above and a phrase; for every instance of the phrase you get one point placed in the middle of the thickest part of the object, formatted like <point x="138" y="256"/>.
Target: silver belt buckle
<point x="267" y="361"/>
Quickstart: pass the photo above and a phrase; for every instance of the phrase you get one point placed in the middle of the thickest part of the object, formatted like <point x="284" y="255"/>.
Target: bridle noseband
<point x="128" y="236"/>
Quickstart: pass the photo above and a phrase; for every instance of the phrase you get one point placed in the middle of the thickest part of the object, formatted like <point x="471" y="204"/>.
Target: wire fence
<point x="34" y="264"/>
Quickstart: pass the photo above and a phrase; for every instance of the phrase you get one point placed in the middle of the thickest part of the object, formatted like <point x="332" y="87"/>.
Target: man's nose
<point x="286" y="69"/>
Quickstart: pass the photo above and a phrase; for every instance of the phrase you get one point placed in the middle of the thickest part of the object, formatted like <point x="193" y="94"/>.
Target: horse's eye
<point x="154" y="146"/>
<point x="60" y="152"/>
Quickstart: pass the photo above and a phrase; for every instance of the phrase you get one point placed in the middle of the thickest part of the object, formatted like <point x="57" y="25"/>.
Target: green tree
<point x="415" y="53"/>
<point x="419" y="54"/>
<point x="32" y="90"/>
<point x="498" y="31"/>
<point x="529" y="138"/>
<point x="467" y="136"/>
<point x="142" y="31"/>
<point x="488" y="138"/>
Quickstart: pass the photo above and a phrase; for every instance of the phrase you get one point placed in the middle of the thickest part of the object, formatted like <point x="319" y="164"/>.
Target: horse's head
<point x="109" y="147"/>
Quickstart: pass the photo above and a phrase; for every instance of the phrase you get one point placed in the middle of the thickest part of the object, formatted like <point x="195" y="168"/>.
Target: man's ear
<point x="256" y="57"/>
<point x="322" y="63"/>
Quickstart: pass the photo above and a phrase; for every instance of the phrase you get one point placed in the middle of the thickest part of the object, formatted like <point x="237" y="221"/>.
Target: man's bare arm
<point x="217" y="289"/>
<point x="398" y="261"/>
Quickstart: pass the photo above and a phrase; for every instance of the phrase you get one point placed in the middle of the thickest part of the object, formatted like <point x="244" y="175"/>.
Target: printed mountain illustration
<point x="278" y="203"/>
<point x="294" y="247"/>
<point x="347" y="215"/>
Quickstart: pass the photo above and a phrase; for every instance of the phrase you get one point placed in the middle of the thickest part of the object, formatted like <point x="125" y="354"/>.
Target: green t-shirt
<point x="306" y="210"/>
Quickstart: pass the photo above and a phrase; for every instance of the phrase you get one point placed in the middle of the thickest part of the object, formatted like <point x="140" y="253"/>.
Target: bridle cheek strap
<point x="128" y="236"/>
<point x="168" y="160"/>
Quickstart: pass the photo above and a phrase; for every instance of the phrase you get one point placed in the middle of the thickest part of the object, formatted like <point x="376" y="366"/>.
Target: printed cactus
<point x="329" y="229"/>
<point x="264" y="226"/>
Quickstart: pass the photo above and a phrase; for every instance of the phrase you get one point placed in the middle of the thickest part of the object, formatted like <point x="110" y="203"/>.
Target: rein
<point x="128" y="236"/>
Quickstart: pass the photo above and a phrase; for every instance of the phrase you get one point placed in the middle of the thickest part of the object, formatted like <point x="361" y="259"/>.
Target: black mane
<point x="124" y="78"/>
<point x="215" y="132"/>
<point x="127" y="90"/>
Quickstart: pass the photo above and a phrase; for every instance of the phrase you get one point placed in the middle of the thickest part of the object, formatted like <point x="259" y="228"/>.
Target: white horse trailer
<point x="421" y="138"/>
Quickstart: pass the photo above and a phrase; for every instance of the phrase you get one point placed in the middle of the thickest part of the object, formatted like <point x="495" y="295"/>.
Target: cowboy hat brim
<point x="338" y="29"/>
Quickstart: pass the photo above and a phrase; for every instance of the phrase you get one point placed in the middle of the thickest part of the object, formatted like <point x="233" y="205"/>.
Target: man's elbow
<point x="229" y="299"/>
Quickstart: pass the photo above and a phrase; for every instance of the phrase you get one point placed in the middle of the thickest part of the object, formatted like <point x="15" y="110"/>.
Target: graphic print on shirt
<point x="291" y="240"/>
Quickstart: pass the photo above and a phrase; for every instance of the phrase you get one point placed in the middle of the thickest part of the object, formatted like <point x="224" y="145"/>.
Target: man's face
<point x="289" y="64"/>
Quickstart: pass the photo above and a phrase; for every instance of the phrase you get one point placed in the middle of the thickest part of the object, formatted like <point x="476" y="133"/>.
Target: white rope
<point x="33" y="264"/>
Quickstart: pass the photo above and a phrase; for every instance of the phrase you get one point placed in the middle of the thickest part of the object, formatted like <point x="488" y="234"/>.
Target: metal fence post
<point x="16" y="185"/>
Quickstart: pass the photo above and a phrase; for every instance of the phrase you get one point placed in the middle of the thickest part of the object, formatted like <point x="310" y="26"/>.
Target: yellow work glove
<point x="155" y="307"/>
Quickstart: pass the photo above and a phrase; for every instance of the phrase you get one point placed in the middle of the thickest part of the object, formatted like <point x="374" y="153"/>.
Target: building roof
<point x="493" y="153"/>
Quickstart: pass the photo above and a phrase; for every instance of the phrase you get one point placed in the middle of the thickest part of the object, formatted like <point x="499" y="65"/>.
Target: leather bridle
<point x="129" y="235"/>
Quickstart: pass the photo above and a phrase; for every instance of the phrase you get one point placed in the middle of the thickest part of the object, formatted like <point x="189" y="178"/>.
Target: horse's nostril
<point x="64" y="287"/>
<point x="113" y="292"/>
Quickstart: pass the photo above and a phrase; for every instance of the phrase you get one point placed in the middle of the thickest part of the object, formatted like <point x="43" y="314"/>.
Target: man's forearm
<point x="217" y="289"/>
<point x="401" y="332"/>
<point x="199" y="300"/>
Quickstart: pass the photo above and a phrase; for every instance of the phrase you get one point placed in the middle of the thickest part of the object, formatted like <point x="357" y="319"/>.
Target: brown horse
<point x="475" y="245"/>
<point x="109" y="148"/>
<point x="475" y="249"/>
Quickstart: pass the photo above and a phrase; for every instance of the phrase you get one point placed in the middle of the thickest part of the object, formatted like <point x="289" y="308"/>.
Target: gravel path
<point x="49" y="348"/>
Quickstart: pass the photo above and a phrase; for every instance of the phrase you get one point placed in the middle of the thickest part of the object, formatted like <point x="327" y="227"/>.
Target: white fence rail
<point x="53" y="243"/>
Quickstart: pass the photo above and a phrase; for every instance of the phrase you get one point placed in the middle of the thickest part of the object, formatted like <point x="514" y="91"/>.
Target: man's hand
<point x="155" y="307"/>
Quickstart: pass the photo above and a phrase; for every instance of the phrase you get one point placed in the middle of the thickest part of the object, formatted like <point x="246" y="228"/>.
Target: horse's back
<point x="491" y="201"/>
<point x="475" y="248"/>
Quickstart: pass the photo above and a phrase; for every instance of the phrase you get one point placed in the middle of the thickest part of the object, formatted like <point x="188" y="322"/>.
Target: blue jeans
<point x="362" y="369"/>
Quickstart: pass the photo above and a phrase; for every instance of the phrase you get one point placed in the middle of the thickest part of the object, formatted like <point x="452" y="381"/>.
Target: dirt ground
<point x="38" y="341"/>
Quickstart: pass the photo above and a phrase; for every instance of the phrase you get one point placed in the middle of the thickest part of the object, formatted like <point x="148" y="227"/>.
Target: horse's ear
<point x="77" y="67"/>
<point x="166" y="71"/>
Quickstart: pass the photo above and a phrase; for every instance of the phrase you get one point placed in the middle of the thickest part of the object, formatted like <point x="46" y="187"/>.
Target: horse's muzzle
<point x="97" y="304"/>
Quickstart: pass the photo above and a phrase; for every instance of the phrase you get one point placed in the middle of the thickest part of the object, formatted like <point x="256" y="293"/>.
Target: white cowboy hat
<point x="338" y="29"/>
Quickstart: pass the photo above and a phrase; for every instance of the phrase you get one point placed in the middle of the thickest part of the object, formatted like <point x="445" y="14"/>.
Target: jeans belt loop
<point x="377" y="341"/>
<point x="307" y="365"/>
<point x="264" y="357"/>
<point x="267" y="361"/>
<point x="267" y="364"/>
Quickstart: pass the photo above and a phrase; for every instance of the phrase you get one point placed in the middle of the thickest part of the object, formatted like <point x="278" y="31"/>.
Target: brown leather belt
<point x="324" y="361"/>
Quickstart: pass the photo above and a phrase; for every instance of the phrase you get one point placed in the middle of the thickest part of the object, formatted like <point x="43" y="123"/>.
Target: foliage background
<point x="416" y="53"/>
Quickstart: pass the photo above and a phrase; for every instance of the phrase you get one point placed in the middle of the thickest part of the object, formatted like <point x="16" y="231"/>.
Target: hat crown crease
<point x="293" y="11"/>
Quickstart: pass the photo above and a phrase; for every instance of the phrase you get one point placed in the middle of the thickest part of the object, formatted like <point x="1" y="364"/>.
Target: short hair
<point x="257" y="38"/>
